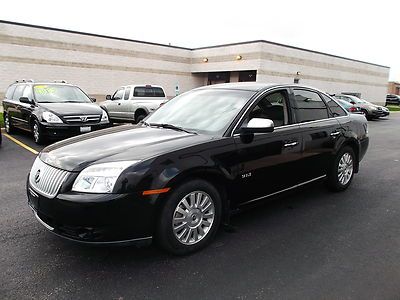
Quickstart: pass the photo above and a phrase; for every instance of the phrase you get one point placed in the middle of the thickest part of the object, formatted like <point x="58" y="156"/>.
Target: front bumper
<point x="379" y="113"/>
<point x="61" y="131"/>
<point x="96" y="218"/>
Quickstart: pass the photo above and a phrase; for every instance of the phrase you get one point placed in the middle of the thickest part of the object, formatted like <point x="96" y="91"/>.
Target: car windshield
<point x="208" y="111"/>
<point x="52" y="93"/>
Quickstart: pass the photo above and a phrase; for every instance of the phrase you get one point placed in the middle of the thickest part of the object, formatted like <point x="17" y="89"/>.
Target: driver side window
<point x="273" y="106"/>
<point x="118" y="95"/>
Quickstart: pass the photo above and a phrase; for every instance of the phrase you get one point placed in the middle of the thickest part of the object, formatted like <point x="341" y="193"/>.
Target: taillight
<point x="353" y="109"/>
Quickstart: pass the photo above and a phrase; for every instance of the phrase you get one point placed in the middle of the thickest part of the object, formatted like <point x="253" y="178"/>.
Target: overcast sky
<point x="363" y="30"/>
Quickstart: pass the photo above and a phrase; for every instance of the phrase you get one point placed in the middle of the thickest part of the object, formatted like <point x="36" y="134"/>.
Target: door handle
<point x="335" y="133"/>
<point x="291" y="144"/>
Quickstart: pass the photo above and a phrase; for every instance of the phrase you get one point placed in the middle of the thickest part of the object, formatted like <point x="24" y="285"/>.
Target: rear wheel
<point x="190" y="218"/>
<point x="139" y="118"/>
<point x="341" y="172"/>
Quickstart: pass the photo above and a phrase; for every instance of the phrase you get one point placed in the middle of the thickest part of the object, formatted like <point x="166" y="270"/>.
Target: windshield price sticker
<point x="44" y="89"/>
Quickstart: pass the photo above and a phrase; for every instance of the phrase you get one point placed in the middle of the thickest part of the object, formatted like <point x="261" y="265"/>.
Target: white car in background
<point x="132" y="103"/>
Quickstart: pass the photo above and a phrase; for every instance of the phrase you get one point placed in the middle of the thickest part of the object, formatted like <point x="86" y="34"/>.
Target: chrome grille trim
<point x="50" y="179"/>
<point x="82" y="119"/>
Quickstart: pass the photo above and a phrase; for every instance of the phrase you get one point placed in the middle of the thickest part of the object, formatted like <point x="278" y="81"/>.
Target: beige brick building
<point x="394" y="87"/>
<point x="100" y="64"/>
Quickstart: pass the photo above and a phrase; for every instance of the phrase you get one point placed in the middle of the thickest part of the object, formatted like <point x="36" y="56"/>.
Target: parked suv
<point x="132" y="103"/>
<point x="370" y="110"/>
<point x="53" y="110"/>
<point x="200" y="157"/>
<point x="393" y="99"/>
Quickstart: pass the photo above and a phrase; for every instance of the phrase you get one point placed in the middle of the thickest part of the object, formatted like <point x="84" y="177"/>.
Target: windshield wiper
<point x="170" y="126"/>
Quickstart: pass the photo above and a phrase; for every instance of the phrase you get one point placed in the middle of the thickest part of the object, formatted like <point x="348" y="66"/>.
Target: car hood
<point x="65" y="109"/>
<point x="119" y="143"/>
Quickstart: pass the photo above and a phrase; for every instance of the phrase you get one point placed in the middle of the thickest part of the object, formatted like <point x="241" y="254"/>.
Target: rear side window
<point x="10" y="92"/>
<point x="335" y="108"/>
<point x="309" y="106"/>
<point x="18" y="92"/>
<point x="158" y="92"/>
<point x="144" y="91"/>
<point x="127" y="92"/>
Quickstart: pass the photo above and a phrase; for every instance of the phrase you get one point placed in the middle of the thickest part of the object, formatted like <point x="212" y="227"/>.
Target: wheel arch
<point x="213" y="177"/>
<point x="354" y="144"/>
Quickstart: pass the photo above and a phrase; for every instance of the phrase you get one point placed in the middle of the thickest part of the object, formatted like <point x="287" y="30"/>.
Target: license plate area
<point x="85" y="129"/>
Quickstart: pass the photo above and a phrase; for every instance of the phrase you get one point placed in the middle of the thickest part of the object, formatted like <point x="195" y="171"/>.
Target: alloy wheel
<point x="345" y="168"/>
<point x="193" y="217"/>
<point x="36" y="133"/>
<point x="7" y="123"/>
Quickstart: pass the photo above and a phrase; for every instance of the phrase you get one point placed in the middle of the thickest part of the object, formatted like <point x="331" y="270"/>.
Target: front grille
<point x="45" y="179"/>
<point x="82" y="119"/>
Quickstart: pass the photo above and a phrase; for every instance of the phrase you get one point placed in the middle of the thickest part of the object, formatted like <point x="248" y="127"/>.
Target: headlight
<point x="104" y="116"/>
<point x="100" y="178"/>
<point x="50" y="117"/>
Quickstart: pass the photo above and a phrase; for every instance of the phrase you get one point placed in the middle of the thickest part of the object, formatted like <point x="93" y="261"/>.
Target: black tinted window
<point x="158" y="92"/>
<point x="309" y="106"/>
<point x="127" y="92"/>
<point x="18" y="92"/>
<point x="335" y="108"/>
<point x="273" y="107"/>
<point x="10" y="92"/>
<point x="144" y="91"/>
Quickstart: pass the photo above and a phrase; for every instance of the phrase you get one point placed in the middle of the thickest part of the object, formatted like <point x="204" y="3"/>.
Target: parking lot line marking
<point x="21" y="144"/>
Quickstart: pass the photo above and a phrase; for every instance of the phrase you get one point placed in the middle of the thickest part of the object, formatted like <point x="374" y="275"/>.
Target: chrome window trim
<point x="284" y="190"/>
<point x="21" y="120"/>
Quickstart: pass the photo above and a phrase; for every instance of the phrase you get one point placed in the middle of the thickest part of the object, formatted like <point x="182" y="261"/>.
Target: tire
<point x="139" y="118"/>
<point x="179" y="234"/>
<point x="341" y="171"/>
<point x="37" y="133"/>
<point x="8" y="124"/>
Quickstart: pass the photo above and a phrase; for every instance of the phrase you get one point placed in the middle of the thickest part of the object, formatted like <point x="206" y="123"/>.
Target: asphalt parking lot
<point x="310" y="244"/>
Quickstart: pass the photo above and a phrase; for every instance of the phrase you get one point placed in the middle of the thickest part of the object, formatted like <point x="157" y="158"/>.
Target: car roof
<point x="257" y="86"/>
<point x="145" y="85"/>
<point x="43" y="82"/>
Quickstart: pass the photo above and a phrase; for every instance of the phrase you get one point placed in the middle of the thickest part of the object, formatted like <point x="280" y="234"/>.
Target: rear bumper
<point x="61" y="131"/>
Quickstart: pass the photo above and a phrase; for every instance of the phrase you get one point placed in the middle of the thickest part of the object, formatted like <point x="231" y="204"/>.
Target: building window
<point x="218" y="77"/>
<point x="245" y="76"/>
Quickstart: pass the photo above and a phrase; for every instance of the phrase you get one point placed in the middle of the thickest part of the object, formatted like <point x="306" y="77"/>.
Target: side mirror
<point x="258" y="125"/>
<point x="93" y="99"/>
<point x="25" y="100"/>
<point x="108" y="97"/>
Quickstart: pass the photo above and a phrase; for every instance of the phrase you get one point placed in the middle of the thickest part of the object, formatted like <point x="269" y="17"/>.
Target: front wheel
<point x="341" y="172"/>
<point x="190" y="218"/>
<point x="7" y="124"/>
<point x="37" y="133"/>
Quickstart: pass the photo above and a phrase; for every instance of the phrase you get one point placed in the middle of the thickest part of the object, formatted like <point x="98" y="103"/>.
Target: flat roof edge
<point x="184" y="48"/>
<point x="91" y="34"/>
<point x="291" y="47"/>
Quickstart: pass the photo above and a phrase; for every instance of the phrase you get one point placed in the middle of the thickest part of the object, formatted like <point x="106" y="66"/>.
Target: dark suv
<point x="393" y="99"/>
<point x="51" y="110"/>
<point x="201" y="156"/>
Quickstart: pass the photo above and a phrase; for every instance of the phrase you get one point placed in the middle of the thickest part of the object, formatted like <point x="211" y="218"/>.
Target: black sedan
<point x="179" y="174"/>
<point x="51" y="110"/>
